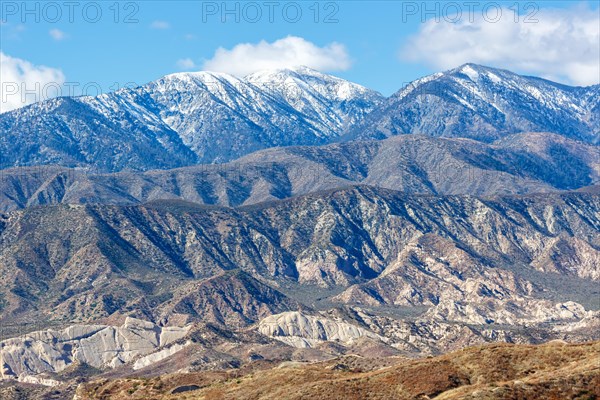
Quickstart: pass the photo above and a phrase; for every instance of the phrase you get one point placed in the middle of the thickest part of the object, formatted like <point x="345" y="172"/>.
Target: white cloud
<point x="57" y="34"/>
<point x="23" y="83"/>
<point x="186" y="63"/>
<point x="563" y="45"/>
<point x="246" y="58"/>
<point x="160" y="25"/>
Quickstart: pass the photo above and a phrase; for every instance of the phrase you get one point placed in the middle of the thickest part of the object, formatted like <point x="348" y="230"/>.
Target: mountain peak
<point x="297" y="73"/>
<point x="470" y="66"/>
<point x="292" y="70"/>
<point x="475" y="71"/>
<point x="201" y="76"/>
<point x="302" y="69"/>
<point x="313" y="81"/>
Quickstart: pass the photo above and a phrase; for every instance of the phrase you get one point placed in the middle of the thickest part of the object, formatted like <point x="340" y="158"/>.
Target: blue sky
<point x="383" y="44"/>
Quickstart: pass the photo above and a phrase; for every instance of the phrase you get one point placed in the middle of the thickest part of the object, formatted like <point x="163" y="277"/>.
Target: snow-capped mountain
<point x="485" y="103"/>
<point x="203" y="117"/>
<point x="185" y="118"/>
<point x="221" y="117"/>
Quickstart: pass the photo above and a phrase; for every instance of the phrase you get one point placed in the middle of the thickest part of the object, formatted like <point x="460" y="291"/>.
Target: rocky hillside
<point x="355" y="270"/>
<point x="465" y="259"/>
<point x="61" y="360"/>
<point x="96" y="346"/>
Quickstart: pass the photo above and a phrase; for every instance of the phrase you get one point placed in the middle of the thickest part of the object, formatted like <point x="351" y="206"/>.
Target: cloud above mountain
<point x="560" y="45"/>
<point x="246" y="58"/>
<point x="24" y="83"/>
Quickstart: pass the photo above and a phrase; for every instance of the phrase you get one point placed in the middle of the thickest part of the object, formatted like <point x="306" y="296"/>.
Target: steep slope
<point x="300" y="330"/>
<point x="182" y="119"/>
<point x="95" y="345"/>
<point x="233" y="299"/>
<point x="484" y="103"/>
<point x="520" y="164"/>
<point x="90" y="263"/>
<point x="60" y="359"/>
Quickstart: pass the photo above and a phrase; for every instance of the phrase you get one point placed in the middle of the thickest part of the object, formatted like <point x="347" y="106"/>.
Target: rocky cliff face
<point x="425" y="335"/>
<point x="300" y="330"/>
<point x="55" y="357"/>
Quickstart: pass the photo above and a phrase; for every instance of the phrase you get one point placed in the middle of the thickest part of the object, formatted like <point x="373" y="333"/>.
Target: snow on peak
<point x="310" y="80"/>
<point x="289" y="71"/>
<point x="201" y="76"/>
<point x="468" y="70"/>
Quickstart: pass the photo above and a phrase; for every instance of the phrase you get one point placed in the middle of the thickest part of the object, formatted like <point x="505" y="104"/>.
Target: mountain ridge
<point x="485" y="104"/>
<point x="519" y="164"/>
<point x="354" y="236"/>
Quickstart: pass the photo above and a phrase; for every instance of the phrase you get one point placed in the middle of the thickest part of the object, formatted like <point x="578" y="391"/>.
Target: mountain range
<point x="205" y="222"/>
<point x="184" y="119"/>
<point x="357" y="270"/>
<point x="190" y="118"/>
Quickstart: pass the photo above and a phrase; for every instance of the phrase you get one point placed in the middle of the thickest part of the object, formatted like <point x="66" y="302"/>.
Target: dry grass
<point x="501" y="371"/>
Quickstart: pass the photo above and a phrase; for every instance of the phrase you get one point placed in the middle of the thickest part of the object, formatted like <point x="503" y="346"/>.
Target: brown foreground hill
<point x="555" y="370"/>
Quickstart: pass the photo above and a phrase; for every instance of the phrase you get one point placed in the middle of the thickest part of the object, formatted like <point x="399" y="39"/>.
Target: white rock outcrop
<point x="304" y="331"/>
<point x="159" y="356"/>
<point x="100" y="346"/>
